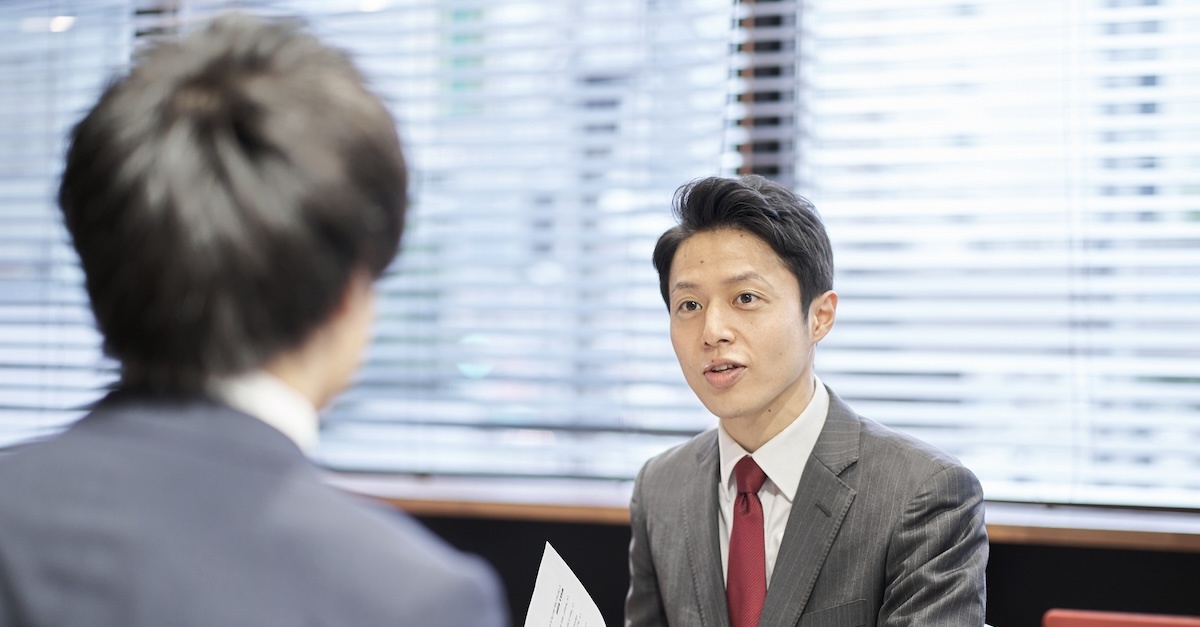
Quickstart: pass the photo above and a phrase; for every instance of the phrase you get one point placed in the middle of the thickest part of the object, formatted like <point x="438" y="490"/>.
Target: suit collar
<point x="822" y="501"/>
<point x="263" y="395"/>
<point x="700" y="535"/>
<point x="193" y="425"/>
<point x="837" y="447"/>
<point x="818" y="510"/>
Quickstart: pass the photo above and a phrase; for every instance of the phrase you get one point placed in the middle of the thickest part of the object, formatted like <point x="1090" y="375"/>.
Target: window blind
<point x="1009" y="186"/>
<point x="521" y="331"/>
<point x="54" y="58"/>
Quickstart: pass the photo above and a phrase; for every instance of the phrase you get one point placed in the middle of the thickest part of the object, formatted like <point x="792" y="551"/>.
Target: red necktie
<point x="746" y="581"/>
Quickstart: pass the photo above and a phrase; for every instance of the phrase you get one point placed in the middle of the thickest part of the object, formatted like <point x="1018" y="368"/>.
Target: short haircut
<point x="788" y="223"/>
<point x="222" y="195"/>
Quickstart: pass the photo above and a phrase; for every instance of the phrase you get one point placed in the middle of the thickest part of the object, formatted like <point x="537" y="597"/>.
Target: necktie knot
<point x="749" y="476"/>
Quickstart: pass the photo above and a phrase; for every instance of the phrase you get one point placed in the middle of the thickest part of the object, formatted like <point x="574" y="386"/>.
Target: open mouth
<point x="724" y="374"/>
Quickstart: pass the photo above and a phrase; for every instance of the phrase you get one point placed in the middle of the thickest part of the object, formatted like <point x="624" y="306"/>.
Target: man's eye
<point x="689" y="305"/>
<point x="746" y="299"/>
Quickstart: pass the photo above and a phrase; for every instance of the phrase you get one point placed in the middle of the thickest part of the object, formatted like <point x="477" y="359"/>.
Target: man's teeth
<point x="723" y="368"/>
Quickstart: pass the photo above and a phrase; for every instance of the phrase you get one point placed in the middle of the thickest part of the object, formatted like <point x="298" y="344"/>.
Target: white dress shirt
<point x="265" y="397"/>
<point x="782" y="458"/>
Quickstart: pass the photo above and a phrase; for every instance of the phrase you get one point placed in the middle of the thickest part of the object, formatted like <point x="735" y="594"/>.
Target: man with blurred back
<point x="232" y="200"/>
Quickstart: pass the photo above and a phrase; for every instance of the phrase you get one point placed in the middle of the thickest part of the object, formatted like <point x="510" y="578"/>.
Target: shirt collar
<point x="266" y="397"/>
<point x="778" y="456"/>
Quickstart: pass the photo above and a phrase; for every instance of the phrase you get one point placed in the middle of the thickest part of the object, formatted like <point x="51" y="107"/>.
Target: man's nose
<point x="717" y="327"/>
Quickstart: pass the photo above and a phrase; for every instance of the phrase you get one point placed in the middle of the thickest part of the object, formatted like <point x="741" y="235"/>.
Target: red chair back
<point x="1085" y="618"/>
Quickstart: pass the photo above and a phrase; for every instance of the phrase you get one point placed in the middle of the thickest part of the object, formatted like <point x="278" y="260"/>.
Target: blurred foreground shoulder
<point x="400" y="571"/>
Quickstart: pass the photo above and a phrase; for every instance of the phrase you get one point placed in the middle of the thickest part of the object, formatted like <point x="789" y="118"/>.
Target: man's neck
<point x="751" y="432"/>
<point x="263" y="395"/>
<point x="291" y="370"/>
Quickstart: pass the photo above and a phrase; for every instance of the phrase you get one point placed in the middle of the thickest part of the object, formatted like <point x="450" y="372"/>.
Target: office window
<point x="54" y="57"/>
<point x="521" y="332"/>
<point x="1010" y="187"/>
<point x="1017" y="243"/>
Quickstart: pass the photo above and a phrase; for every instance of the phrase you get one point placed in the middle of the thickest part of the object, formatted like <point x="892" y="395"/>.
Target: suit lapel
<point x="822" y="500"/>
<point x="700" y="537"/>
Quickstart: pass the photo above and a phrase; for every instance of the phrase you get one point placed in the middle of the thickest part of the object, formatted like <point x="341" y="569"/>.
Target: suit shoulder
<point x="385" y="563"/>
<point x="901" y="450"/>
<point x="680" y="459"/>
<point x="377" y="534"/>
<point x="28" y="466"/>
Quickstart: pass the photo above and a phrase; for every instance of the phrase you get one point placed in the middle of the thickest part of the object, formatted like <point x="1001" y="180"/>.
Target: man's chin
<point x="723" y="411"/>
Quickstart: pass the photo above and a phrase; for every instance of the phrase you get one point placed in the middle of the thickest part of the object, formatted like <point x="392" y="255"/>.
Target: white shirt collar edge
<point x="267" y="398"/>
<point x="777" y="457"/>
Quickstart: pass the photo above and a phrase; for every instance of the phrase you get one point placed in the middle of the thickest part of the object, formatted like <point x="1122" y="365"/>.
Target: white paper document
<point x="559" y="600"/>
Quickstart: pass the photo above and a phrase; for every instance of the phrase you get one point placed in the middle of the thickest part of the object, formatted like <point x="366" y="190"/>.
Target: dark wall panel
<point x="1023" y="581"/>
<point x="598" y="554"/>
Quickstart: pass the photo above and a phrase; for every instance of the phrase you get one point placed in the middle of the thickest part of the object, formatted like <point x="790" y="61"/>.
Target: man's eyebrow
<point x="749" y="275"/>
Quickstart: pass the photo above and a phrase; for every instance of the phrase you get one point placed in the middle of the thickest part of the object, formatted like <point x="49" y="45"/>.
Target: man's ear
<point x="822" y="313"/>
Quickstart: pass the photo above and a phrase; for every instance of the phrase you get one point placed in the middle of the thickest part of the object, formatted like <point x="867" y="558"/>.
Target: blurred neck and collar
<point x="288" y="390"/>
<point x="271" y="400"/>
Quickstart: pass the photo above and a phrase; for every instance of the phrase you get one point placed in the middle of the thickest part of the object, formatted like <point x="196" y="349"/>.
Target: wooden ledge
<point x="513" y="511"/>
<point x="538" y="500"/>
<point x="606" y="503"/>
<point x="1093" y="527"/>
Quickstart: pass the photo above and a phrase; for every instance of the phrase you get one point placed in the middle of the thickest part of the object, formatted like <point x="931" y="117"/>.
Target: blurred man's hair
<point x="786" y="222"/>
<point x="222" y="195"/>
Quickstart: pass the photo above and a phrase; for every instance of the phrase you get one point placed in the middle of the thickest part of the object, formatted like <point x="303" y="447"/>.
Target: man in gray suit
<point x="232" y="200"/>
<point x="794" y="510"/>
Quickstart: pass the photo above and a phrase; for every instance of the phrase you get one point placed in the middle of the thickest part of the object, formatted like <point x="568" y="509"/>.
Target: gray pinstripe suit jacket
<point x="885" y="530"/>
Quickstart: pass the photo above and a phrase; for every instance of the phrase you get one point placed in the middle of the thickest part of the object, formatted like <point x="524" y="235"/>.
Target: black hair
<point x="222" y="195"/>
<point x="788" y="223"/>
